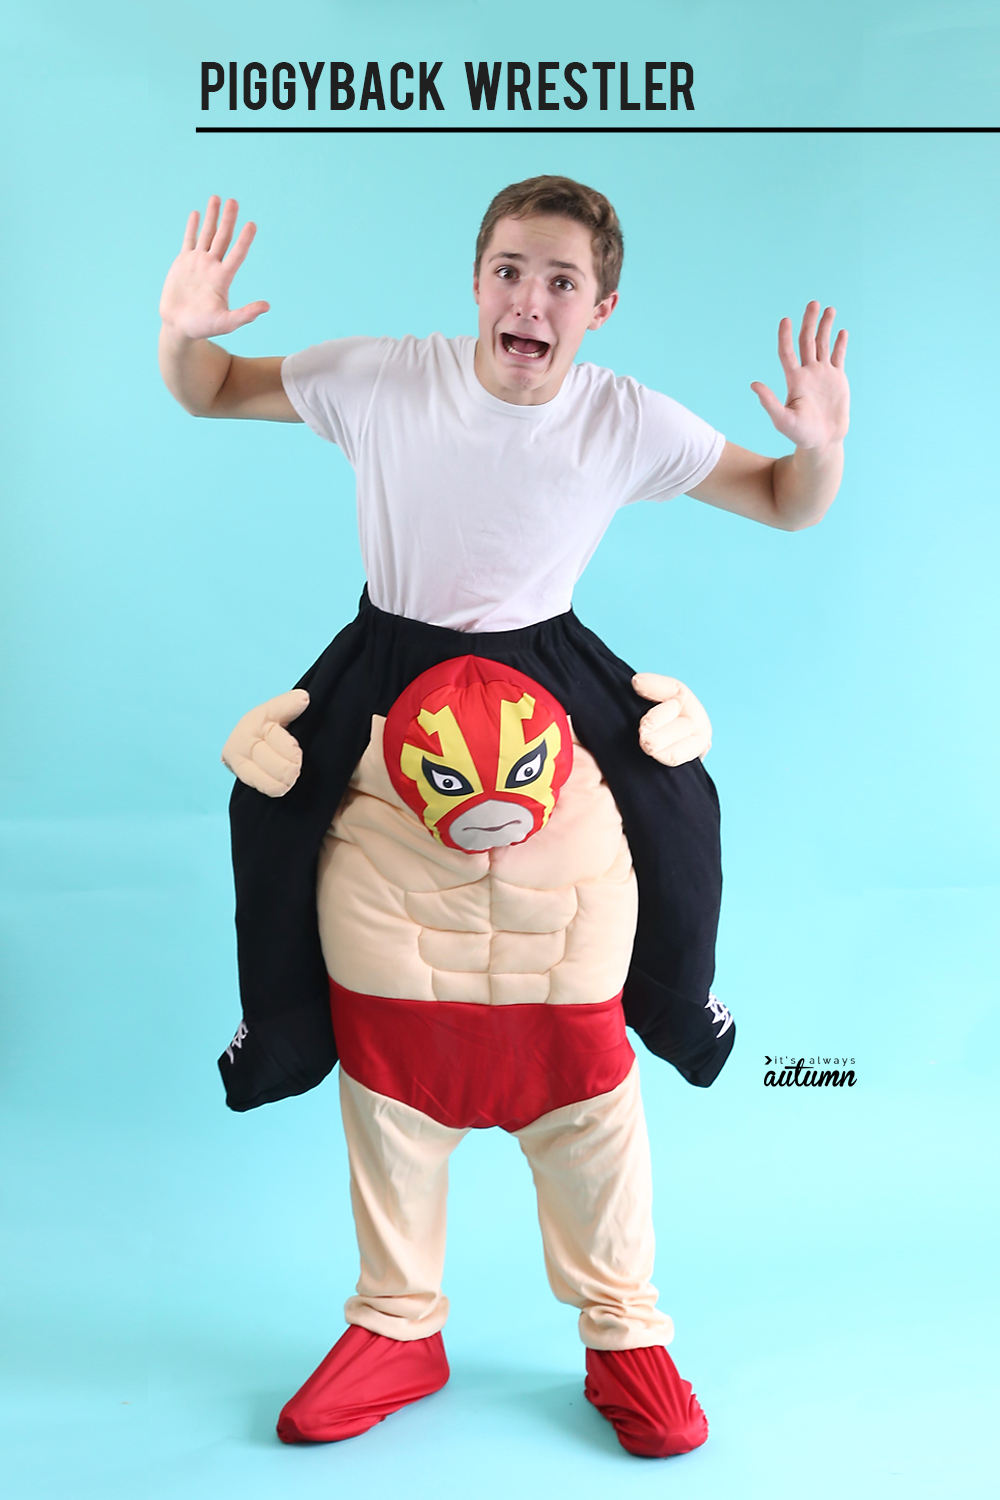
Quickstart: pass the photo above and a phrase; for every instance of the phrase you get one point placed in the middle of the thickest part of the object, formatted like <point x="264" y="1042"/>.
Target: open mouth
<point x="524" y="348"/>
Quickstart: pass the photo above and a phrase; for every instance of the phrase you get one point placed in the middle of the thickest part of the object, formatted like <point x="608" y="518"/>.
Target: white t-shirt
<point x="474" y="513"/>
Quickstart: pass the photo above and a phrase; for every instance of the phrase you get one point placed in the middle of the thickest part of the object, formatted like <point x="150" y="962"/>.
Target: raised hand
<point x="195" y="300"/>
<point x="261" y="752"/>
<point x="815" y="413"/>
<point x="677" y="729"/>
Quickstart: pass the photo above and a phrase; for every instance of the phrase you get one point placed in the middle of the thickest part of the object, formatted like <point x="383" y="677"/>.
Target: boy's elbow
<point x="189" y="406"/>
<point x="803" y="523"/>
<point x="193" y="406"/>
<point x="803" y="520"/>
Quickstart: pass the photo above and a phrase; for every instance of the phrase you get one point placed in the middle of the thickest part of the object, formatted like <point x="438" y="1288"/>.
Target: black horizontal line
<point x="597" y="129"/>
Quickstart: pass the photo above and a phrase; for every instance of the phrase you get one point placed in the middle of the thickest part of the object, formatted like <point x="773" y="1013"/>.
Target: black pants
<point x="670" y="815"/>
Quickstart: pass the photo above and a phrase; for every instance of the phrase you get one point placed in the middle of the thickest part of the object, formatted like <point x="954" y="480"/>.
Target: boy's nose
<point x="528" y="302"/>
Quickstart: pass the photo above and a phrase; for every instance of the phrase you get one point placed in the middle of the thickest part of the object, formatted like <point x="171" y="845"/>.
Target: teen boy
<point x="487" y="472"/>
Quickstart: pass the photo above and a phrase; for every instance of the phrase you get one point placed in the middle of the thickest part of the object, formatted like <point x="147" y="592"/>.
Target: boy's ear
<point x="475" y="284"/>
<point x="603" y="310"/>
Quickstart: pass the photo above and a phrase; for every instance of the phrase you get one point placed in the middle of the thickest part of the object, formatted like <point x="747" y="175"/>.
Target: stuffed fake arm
<point x="678" y="728"/>
<point x="261" y="752"/>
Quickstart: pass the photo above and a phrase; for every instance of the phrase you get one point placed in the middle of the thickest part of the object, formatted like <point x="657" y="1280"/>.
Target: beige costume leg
<point x="590" y="1162"/>
<point x="399" y="1191"/>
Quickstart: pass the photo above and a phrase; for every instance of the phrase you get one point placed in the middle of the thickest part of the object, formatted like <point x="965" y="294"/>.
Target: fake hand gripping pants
<point x="477" y="911"/>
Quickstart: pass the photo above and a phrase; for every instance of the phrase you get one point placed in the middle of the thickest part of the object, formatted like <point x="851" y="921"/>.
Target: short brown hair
<point x="561" y="195"/>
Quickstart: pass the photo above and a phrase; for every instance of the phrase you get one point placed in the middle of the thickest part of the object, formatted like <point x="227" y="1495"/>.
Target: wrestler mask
<point x="479" y="752"/>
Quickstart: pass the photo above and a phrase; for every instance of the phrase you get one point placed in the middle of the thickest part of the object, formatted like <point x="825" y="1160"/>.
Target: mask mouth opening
<point x="492" y="823"/>
<point x="525" y="348"/>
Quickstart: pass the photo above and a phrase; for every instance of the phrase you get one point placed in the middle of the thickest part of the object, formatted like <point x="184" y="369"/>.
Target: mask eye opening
<point x="528" y="769"/>
<point x="446" y="781"/>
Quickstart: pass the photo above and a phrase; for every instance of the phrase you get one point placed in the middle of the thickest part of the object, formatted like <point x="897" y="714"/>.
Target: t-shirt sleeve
<point x="674" y="450"/>
<point x="331" y="387"/>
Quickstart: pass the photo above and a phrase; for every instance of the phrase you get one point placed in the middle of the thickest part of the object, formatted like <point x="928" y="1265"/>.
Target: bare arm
<point x="206" y="379"/>
<point x="795" y="491"/>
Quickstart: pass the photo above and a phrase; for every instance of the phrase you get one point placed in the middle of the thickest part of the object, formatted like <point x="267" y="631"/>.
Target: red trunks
<point x="472" y="1066"/>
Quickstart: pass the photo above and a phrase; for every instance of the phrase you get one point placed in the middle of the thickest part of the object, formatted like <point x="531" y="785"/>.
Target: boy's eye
<point x="564" y="284"/>
<point x="506" y="272"/>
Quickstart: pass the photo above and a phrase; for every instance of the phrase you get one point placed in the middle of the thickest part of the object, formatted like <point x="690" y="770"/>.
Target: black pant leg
<point x="671" y="820"/>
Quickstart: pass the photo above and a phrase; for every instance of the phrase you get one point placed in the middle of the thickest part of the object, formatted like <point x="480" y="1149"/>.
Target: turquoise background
<point x="173" y="1271"/>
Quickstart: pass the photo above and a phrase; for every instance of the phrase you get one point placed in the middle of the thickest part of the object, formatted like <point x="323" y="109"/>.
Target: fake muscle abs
<point x="479" y="752"/>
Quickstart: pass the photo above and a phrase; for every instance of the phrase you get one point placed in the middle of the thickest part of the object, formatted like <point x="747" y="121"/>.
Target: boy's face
<point x="537" y="293"/>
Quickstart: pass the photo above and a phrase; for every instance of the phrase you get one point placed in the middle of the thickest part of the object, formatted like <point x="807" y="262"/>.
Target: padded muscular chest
<point x="549" y="920"/>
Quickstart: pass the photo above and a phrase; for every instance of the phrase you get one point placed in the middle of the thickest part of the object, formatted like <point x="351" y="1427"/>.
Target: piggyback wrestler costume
<point x="480" y="877"/>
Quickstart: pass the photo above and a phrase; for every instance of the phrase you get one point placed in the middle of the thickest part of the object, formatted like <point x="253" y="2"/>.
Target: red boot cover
<point x="363" y="1379"/>
<point x="654" y="1412"/>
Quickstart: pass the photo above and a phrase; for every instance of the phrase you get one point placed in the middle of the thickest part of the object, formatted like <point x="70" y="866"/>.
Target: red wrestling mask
<point x="479" y="752"/>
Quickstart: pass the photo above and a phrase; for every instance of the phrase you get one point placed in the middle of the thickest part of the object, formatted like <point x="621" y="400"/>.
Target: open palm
<point x="195" y="299"/>
<point x="816" y="409"/>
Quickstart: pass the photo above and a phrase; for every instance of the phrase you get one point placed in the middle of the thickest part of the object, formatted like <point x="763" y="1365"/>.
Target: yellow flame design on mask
<point x="455" y="755"/>
<point x="513" y="745"/>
